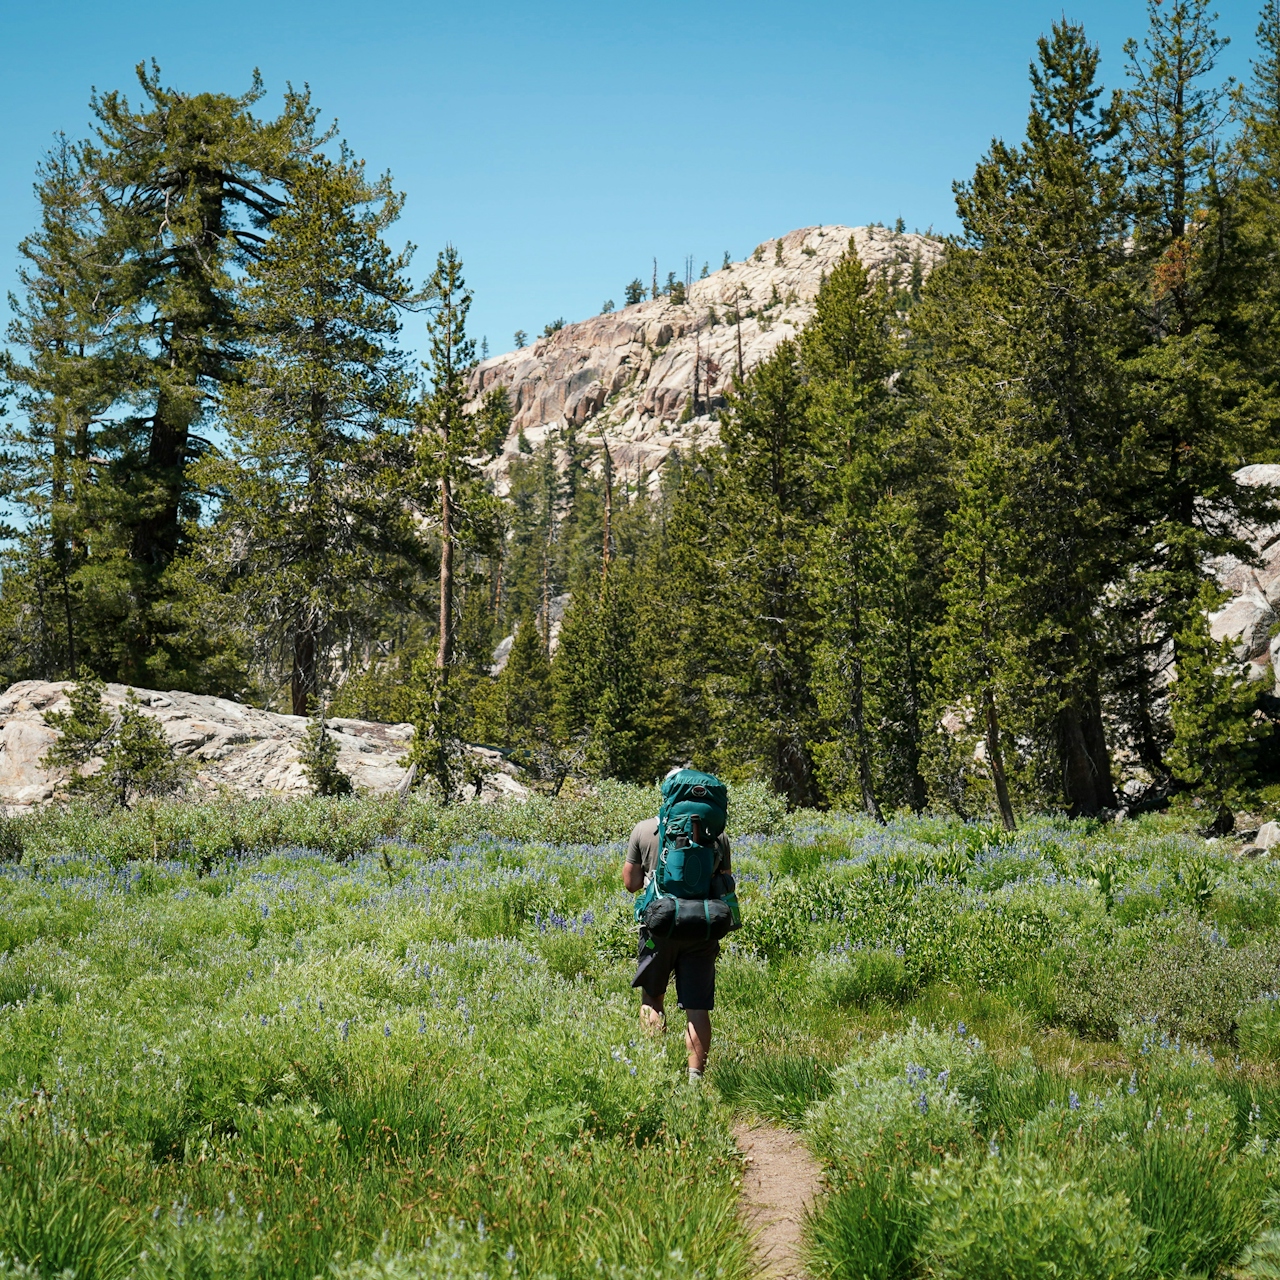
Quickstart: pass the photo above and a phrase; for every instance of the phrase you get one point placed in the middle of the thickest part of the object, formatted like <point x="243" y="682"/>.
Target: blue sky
<point x="562" y="146"/>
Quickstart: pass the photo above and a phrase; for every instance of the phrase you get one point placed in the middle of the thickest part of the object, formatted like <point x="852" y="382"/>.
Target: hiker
<point x="680" y="860"/>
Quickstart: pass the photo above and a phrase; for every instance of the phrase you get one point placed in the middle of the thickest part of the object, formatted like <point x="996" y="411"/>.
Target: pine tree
<point x="1251" y="320"/>
<point x="440" y="720"/>
<point x="314" y="529"/>
<point x="518" y="712"/>
<point x="185" y="186"/>
<point x="983" y="660"/>
<point x="533" y="566"/>
<point x="600" y="677"/>
<point x="1218" y="731"/>
<point x="1193" y="392"/>
<point x="762" y="618"/>
<point x="866" y="672"/>
<point x="63" y="377"/>
<point x="450" y="442"/>
<point x="450" y="446"/>
<point x="135" y="758"/>
<point x="1023" y="329"/>
<point x="318" y="757"/>
<point x="83" y="729"/>
<point x="141" y="764"/>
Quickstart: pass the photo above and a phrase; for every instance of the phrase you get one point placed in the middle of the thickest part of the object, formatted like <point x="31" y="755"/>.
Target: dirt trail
<point x="781" y="1179"/>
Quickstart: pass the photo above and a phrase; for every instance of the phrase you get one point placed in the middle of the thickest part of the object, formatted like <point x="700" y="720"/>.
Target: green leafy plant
<point x="1018" y="1216"/>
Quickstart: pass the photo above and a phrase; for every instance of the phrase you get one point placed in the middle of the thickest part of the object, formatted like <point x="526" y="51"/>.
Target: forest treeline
<point x="953" y="549"/>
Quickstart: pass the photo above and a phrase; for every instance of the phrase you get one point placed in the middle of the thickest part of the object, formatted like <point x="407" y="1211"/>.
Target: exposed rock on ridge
<point x="253" y="753"/>
<point x="651" y="375"/>
<point x="1249" y="618"/>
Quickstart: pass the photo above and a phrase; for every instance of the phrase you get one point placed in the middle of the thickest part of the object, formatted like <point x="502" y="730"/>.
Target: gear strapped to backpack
<point x="679" y="902"/>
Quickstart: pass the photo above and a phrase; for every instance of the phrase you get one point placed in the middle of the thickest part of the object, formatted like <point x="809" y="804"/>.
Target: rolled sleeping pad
<point x="688" y="919"/>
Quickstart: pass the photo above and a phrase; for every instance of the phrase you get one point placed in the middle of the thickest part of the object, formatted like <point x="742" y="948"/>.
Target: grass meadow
<point x="357" y="1039"/>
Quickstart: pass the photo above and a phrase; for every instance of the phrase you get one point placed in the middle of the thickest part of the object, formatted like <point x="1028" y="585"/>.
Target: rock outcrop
<point x="1248" y="618"/>
<point x="649" y="377"/>
<point x="250" y="752"/>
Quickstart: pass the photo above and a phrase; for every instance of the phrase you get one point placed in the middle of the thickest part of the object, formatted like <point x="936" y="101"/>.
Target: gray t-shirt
<point x="642" y="848"/>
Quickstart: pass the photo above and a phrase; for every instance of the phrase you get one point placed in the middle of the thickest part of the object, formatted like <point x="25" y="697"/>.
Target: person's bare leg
<point x="697" y="1038"/>
<point x="652" y="1018"/>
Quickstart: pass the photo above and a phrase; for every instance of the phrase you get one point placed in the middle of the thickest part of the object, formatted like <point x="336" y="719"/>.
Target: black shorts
<point x="693" y="963"/>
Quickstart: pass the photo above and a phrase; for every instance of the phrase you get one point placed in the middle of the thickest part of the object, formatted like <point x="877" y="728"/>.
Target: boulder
<point x="1268" y="835"/>
<point x="1250" y="615"/>
<point x="1248" y="620"/>
<point x="240" y="748"/>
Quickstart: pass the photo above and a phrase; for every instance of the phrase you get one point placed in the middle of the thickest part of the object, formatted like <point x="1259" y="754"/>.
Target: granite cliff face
<point x="649" y="377"/>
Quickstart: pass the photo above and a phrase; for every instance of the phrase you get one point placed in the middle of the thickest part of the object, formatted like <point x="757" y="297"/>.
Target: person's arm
<point x="633" y="865"/>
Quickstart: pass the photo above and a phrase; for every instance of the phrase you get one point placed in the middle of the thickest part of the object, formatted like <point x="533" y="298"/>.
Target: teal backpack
<point x="695" y="808"/>
<point x="677" y="901"/>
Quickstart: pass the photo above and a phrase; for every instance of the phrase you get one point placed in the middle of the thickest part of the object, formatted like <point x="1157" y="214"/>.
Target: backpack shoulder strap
<point x="660" y="859"/>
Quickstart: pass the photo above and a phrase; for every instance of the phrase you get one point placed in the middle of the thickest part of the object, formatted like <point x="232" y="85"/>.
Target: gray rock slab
<point x="246" y="750"/>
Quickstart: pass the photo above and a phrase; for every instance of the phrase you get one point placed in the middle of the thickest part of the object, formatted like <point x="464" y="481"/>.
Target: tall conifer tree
<point x="762" y="528"/>
<point x="314" y="519"/>
<point x="451" y="442"/>
<point x="186" y="186"/>
<point x="1192" y="389"/>
<point x="866" y="672"/>
<point x="1024" y="330"/>
<point x="57" y="364"/>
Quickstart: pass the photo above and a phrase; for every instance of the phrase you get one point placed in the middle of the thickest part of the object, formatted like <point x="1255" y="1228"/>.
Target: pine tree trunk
<point x="303" y="682"/>
<point x="1095" y="741"/>
<point x="60" y="497"/>
<point x="911" y="694"/>
<point x="608" y="508"/>
<point x="1086" y="765"/>
<point x="445" y="654"/>
<point x="995" y="757"/>
<point x="1149" y="751"/>
<point x="155" y="539"/>
<point x="858" y="725"/>
<point x="996" y="761"/>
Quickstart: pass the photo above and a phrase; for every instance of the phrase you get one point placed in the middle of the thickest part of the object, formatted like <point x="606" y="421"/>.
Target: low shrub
<point x="893" y="1107"/>
<point x="1018" y="1216"/>
<point x="199" y="1246"/>
<point x="455" y="1254"/>
<point x="903" y="1099"/>
<point x="343" y="827"/>
<point x="1261" y="1260"/>
<point x="908" y="1119"/>
<point x="1173" y="969"/>
<point x="961" y="1058"/>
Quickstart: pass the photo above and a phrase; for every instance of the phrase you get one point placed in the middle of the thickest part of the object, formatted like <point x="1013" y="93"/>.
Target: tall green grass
<point x="360" y="1039"/>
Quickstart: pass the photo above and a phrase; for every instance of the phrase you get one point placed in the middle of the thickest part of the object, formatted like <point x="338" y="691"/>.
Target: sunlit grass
<point x="293" y="1040"/>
